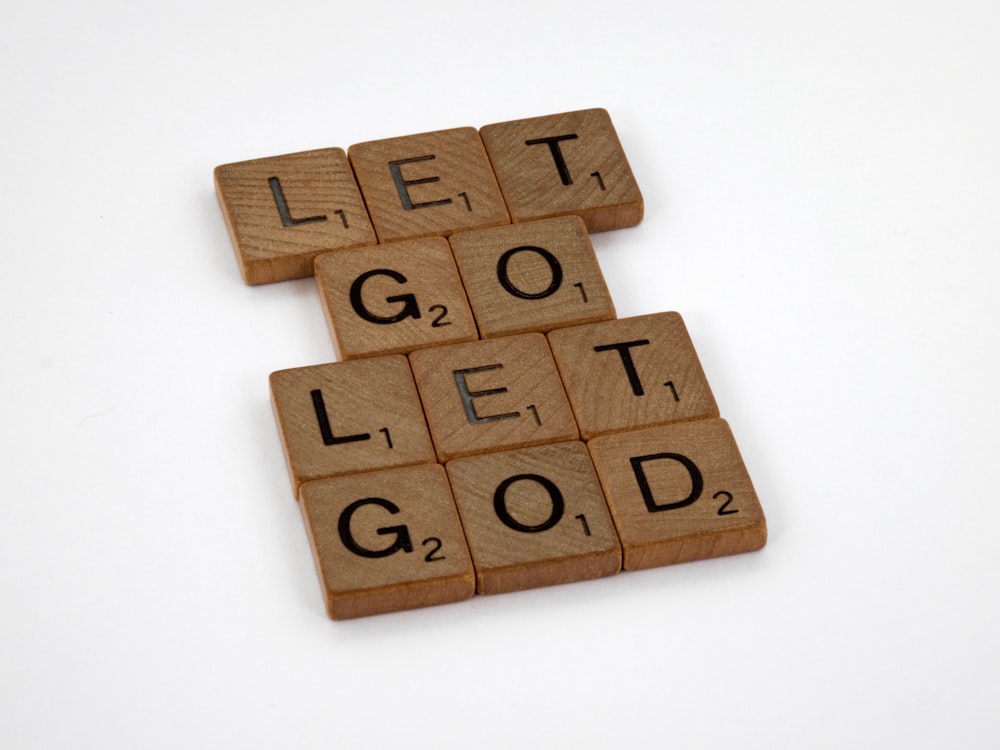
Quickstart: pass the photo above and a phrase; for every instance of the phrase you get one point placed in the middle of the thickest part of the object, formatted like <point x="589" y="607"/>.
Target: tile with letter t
<point x="387" y="541"/>
<point x="679" y="492"/>
<point x="630" y="373"/>
<point x="534" y="517"/>
<point x="394" y="298"/>
<point x="283" y="211"/>
<point x="349" y="417"/>
<point x="534" y="276"/>
<point x="492" y="395"/>
<point x="430" y="184"/>
<point x="569" y="163"/>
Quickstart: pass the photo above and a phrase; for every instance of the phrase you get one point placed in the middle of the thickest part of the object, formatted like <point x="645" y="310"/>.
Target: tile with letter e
<point x="394" y="298"/>
<point x="632" y="372"/>
<point x="283" y="211"/>
<point x="534" y="517"/>
<point x="491" y="395"/>
<point x="569" y="163"/>
<point x="679" y="492"/>
<point x="534" y="276"/>
<point x="430" y="184"/>
<point x="348" y="417"/>
<point x="387" y="541"/>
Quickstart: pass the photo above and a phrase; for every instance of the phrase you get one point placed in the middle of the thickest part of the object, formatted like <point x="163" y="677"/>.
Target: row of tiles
<point x="284" y="211"/>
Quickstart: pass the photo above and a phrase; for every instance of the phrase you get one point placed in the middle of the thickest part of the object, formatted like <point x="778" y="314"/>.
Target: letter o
<point x="506" y="283"/>
<point x="500" y="504"/>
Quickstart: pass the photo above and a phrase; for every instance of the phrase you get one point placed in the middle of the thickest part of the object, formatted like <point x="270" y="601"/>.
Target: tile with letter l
<point x="429" y="184"/>
<point x="387" y="541"/>
<point x="678" y="493"/>
<point x="568" y="163"/>
<point x="491" y="395"/>
<point x="534" y="517"/>
<point x="283" y="211"/>
<point x="394" y="298"/>
<point x="349" y="417"/>
<point x="632" y="372"/>
<point x="534" y="276"/>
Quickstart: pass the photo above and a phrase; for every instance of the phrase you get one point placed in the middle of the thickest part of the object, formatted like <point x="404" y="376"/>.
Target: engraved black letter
<point x="283" y="212"/>
<point x="626" y="356"/>
<point x="500" y="504"/>
<point x="697" y="483"/>
<point x="344" y="528"/>
<point x="467" y="396"/>
<point x="401" y="184"/>
<point x="324" y="423"/>
<point x="553" y="143"/>
<point x="506" y="283"/>
<point x="409" y="310"/>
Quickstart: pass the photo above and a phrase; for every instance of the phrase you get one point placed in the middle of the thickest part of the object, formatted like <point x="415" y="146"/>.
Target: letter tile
<point x="534" y="517"/>
<point x="679" y="492"/>
<point x="283" y="211"/>
<point x="387" y="541"/>
<point x="394" y="298"/>
<point x="534" y="276"/>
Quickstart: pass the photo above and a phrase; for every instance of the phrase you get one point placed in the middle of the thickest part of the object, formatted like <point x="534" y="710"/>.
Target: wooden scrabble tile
<point x="394" y="298"/>
<point x="348" y="417"/>
<point x="491" y="395"/>
<point x="679" y="492"/>
<point x="283" y="211"/>
<point x="569" y="163"/>
<point x="428" y="184"/>
<point x="534" y="517"/>
<point x="534" y="276"/>
<point x="387" y="541"/>
<point x="631" y="373"/>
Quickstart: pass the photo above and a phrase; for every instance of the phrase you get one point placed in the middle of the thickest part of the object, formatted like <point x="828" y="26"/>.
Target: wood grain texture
<point x="387" y="541"/>
<point x="349" y="417"/>
<point x="534" y="517"/>
<point x="679" y="492"/>
<point x="568" y="163"/>
<point x="429" y="184"/>
<point x="283" y="211"/>
<point x="631" y="373"/>
<point x="492" y="395"/>
<point x="535" y="276"/>
<point x="394" y="298"/>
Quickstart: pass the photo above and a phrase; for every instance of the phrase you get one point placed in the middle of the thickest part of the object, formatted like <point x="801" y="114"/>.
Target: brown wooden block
<point x="492" y="395"/>
<point x="348" y="417"/>
<point x="428" y="184"/>
<point x="283" y="211"/>
<point x="387" y="541"/>
<point x="534" y="517"/>
<point x="679" y="492"/>
<point x="532" y="277"/>
<point x="569" y="163"/>
<point x="394" y="298"/>
<point x="632" y="372"/>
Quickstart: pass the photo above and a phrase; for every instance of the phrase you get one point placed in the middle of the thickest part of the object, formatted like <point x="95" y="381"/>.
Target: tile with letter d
<point x="348" y="417"/>
<point x="283" y="211"/>
<point x="569" y="163"/>
<point x="491" y="395"/>
<point x="430" y="184"/>
<point x="394" y="298"/>
<point x="387" y="541"/>
<point x="679" y="492"/>
<point x="534" y="276"/>
<point x="630" y="373"/>
<point x="534" y="517"/>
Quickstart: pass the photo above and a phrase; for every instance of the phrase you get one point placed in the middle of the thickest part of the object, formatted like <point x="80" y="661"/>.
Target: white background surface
<point x="822" y="185"/>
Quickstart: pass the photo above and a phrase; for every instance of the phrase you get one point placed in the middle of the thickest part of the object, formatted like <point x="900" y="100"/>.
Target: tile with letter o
<point x="534" y="517"/>
<point x="283" y="211"/>
<point x="394" y="298"/>
<point x="632" y="372"/>
<point x="348" y="417"/>
<point x="568" y="163"/>
<point x="430" y="184"/>
<point x="492" y="395"/>
<point x="534" y="276"/>
<point x="679" y="492"/>
<point x="387" y="541"/>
